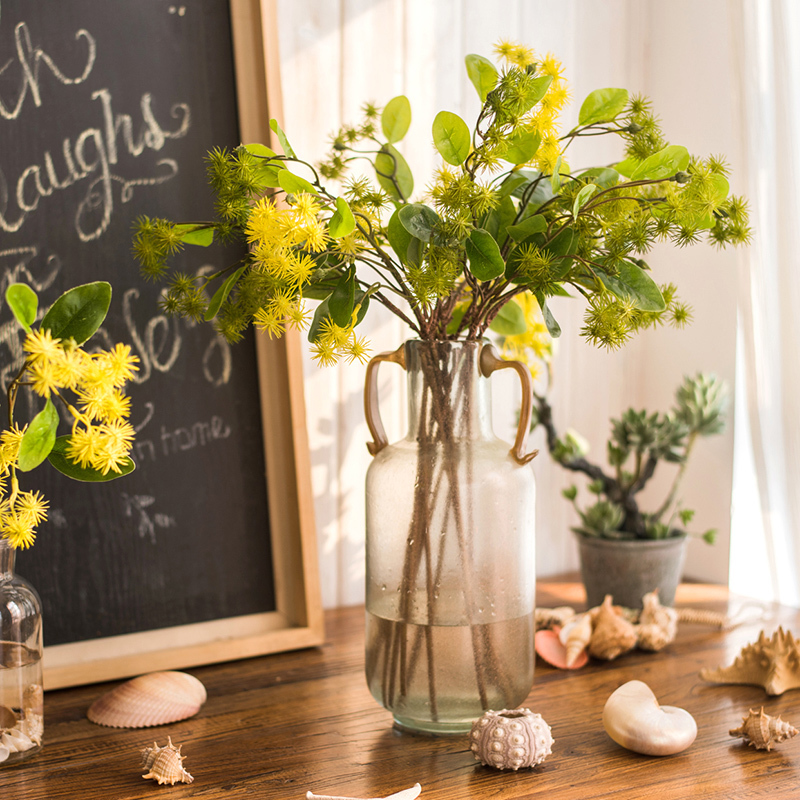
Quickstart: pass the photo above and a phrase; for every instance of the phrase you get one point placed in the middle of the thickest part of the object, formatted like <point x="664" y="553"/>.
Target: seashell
<point x="33" y="698"/>
<point x="165" y="764"/>
<point x="633" y="718"/>
<point x="658" y="625"/>
<point x="15" y="741"/>
<point x="763" y="731"/>
<point x="8" y="719"/>
<point x="405" y="794"/>
<point x="576" y="638"/>
<point x="612" y="635"/>
<point x="549" y="646"/>
<point x="549" y="618"/>
<point x="32" y="726"/>
<point x="511" y="739"/>
<point x="4" y="753"/>
<point x="153" y="699"/>
<point x="773" y="664"/>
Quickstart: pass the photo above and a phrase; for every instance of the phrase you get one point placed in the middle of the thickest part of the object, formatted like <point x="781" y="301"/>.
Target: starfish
<point x="406" y="794"/>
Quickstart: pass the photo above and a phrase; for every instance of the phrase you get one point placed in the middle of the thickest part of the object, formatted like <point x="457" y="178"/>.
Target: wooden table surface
<point x="277" y="726"/>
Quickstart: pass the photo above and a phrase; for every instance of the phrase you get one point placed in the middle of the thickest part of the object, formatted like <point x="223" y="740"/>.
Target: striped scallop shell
<point x="153" y="699"/>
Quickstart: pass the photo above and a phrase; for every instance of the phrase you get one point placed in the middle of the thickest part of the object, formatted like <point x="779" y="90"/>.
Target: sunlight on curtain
<point x="765" y="551"/>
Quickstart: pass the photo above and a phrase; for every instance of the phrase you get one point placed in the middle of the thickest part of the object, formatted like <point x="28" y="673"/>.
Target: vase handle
<point x="372" y="411"/>
<point x="490" y="362"/>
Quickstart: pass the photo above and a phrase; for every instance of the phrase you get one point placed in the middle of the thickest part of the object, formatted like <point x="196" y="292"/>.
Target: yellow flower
<point x="267" y="322"/>
<point x="42" y="343"/>
<point x="83" y="446"/>
<point x="31" y="505"/>
<point x="306" y="209"/>
<point x="10" y="440"/>
<point x="43" y="377"/>
<point x="118" y="364"/>
<point x="17" y="530"/>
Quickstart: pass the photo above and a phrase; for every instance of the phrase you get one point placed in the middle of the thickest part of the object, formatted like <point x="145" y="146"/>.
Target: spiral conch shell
<point x="576" y="638"/>
<point x="773" y="664"/>
<point x="763" y="731"/>
<point x="658" y="625"/>
<point x="511" y="739"/>
<point x="153" y="699"/>
<point x="165" y="764"/>
<point x="612" y="635"/>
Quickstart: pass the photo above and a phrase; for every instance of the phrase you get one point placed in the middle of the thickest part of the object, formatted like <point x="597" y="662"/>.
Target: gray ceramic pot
<point x="629" y="568"/>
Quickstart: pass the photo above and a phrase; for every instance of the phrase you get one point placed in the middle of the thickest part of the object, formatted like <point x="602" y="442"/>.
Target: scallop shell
<point x="773" y="664"/>
<point x="511" y="739"/>
<point x="612" y="635"/>
<point x="658" y="625"/>
<point x="165" y="764"/>
<point x="153" y="699"/>
<point x="763" y="731"/>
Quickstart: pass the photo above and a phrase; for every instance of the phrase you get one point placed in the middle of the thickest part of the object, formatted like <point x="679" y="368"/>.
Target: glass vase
<point x="450" y="545"/>
<point x="21" y="688"/>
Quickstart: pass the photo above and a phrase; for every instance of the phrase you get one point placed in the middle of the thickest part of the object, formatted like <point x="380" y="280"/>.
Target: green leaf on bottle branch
<point x="362" y="304"/>
<point x="451" y="137"/>
<point x="513" y="182"/>
<point x="419" y="220"/>
<point x="399" y="238"/>
<point x="287" y="148"/>
<point x="58" y="458"/>
<point x="510" y="320"/>
<point x="222" y="293"/>
<point x="24" y="304"/>
<point x="342" y="301"/>
<point x="343" y="221"/>
<point x="396" y="118"/>
<point x="268" y="175"/>
<point x="583" y="197"/>
<point x="415" y="252"/>
<point x="527" y="228"/>
<point x="602" y="105"/>
<point x="202" y="235"/>
<point x="79" y="312"/>
<point x="294" y="184"/>
<point x="537" y="89"/>
<point x="39" y="438"/>
<point x="627" y="167"/>
<point x="553" y="328"/>
<point x="321" y="314"/>
<point x="604" y="177"/>
<point x="260" y="150"/>
<point x="721" y="188"/>
<point x="485" y="259"/>
<point x="634" y="284"/>
<point x="564" y="242"/>
<point x="522" y="147"/>
<point x="555" y="178"/>
<point x="664" y="164"/>
<point x="482" y="73"/>
<point x="390" y="164"/>
<point x="499" y="219"/>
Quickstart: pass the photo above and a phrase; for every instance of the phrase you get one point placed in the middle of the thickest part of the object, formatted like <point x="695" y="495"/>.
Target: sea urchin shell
<point x="511" y="739"/>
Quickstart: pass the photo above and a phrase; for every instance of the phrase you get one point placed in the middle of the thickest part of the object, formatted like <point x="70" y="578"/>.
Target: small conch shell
<point x="511" y="739"/>
<point x="612" y="635"/>
<point x="576" y="638"/>
<point x="633" y="718"/>
<point x="773" y="664"/>
<point x="153" y="699"/>
<point x="658" y="625"/>
<point x="165" y="764"/>
<point x="763" y="731"/>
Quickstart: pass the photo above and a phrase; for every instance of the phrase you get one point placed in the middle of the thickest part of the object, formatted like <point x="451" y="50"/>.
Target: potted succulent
<point x="626" y="551"/>
<point x="505" y="216"/>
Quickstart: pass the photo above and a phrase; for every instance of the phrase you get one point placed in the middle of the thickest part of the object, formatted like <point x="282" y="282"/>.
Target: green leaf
<point x="396" y="118"/>
<point x="627" y="167"/>
<point x="390" y="164"/>
<point x="528" y="227"/>
<point x="634" y="284"/>
<point x="419" y="220"/>
<point x="58" y="458"/>
<point x="583" y="197"/>
<point x="564" y="242"/>
<point x="294" y="184"/>
<point x="555" y="178"/>
<point x="399" y="238"/>
<point x="415" y="252"/>
<point x="222" y="293"/>
<point x="499" y="219"/>
<point x="510" y="320"/>
<point x="482" y="73"/>
<point x="39" y="438"/>
<point x="602" y="105"/>
<point x="513" y="182"/>
<point x="537" y="89"/>
<point x="287" y="148"/>
<point x="202" y="235"/>
<point x="553" y="328"/>
<point x="343" y="221"/>
<point x="604" y="177"/>
<point x="79" y="312"/>
<point x="485" y="259"/>
<point x="522" y="147"/>
<point x="268" y="175"/>
<point x="342" y="302"/>
<point x="451" y="137"/>
<point x="260" y="150"/>
<point x="320" y="315"/>
<point x="24" y="304"/>
<point x="664" y="164"/>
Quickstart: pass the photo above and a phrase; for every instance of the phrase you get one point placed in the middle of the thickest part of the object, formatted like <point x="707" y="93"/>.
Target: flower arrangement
<point x="505" y="216"/>
<point x="89" y="388"/>
<point x="638" y="442"/>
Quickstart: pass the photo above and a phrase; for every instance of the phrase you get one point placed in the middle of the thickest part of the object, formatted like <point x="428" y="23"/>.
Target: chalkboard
<point x="107" y="110"/>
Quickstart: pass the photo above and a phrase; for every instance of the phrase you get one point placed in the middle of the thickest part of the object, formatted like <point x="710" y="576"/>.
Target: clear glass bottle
<point x="450" y="546"/>
<point x="21" y="688"/>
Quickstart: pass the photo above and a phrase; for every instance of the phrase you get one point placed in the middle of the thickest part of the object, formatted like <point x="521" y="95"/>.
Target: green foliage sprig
<point x="505" y="215"/>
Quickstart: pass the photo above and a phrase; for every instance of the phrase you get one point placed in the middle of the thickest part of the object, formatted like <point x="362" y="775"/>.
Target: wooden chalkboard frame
<point x="297" y="621"/>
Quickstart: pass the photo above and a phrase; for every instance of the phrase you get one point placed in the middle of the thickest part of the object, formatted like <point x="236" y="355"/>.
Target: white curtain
<point x="766" y="513"/>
